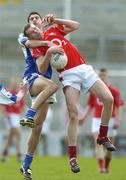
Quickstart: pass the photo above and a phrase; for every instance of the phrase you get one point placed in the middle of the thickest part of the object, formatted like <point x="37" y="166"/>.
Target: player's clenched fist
<point x="49" y="18"/>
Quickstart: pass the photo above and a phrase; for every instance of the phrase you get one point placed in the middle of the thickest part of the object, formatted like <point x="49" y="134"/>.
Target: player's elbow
<point x="42" y="70"/>
<point x="76" y="25"/>
<point x="28" y="44"/>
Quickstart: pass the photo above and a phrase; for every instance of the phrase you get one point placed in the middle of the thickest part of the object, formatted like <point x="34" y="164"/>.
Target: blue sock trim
<point x="30" y="113"/>
<point x="27" y="161"/>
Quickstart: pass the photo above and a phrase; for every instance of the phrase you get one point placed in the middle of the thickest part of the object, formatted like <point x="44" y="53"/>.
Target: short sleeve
<point x="117" y="98"/>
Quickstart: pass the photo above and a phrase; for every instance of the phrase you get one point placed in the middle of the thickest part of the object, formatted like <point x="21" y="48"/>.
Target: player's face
<point x="103" y="76"/>
<point x="34" y="32"/>
<point x="36" y="20"/>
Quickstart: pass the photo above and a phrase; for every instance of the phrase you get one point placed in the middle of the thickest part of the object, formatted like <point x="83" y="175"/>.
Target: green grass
<point x="57" y="168"/>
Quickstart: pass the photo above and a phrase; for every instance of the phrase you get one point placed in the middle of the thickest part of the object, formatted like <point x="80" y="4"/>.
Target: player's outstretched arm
<point x="69" y="25"/>
<point x="37" y="43"/>
<point x="23" y="40"/>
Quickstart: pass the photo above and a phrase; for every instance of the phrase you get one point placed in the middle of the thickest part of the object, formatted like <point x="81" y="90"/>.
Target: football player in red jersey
<point x="76" y="77"/>
<point x="103" y="157"/>
<point x="12" y="115"/>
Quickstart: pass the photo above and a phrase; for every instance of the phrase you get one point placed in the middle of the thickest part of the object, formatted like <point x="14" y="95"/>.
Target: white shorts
<point x="96" y="125"/>
<point x="50" y="100"/>
<point x="12" y="121"/>
<point x="81" y="77"/>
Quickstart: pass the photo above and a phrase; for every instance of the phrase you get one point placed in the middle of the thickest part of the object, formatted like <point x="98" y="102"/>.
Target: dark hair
<point x="103" y="70"/>
<point x="33" y="12"/>
<point x="26" y="28"/>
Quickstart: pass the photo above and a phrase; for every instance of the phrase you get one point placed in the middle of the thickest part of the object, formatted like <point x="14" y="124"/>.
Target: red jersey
<point x="15" y="108"/>
<point x="55" y="34"/>
<point x="95" y="103"/>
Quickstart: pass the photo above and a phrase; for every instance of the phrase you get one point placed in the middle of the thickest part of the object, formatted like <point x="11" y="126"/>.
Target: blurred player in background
<point x="7" y="97"/>
<point x="94" y="104"/>
<point x="75" y="77"/>
<point x="12" y="114"/>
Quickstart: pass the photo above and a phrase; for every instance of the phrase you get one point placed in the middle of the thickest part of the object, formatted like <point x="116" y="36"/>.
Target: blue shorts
<point x="31" y="78"/>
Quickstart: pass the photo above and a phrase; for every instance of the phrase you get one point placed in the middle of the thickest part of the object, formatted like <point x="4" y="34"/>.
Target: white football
<point x="59" y="61"/>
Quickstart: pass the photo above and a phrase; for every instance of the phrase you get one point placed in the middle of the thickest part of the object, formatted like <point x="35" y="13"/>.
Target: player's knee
<point x="53" y="87"/>
<point x="108" y="100"/>
<point x="74" y="117"/>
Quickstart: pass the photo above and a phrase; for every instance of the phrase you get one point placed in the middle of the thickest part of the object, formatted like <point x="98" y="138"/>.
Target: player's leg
<point x="72" y="97"/>
<point x="108" y="158"/>
<point x="42" y="88"/>
<point x="100" y="154"/>
<point x="33" y="141"/>
<point x="18" y="135"/>
<point x="100" y="90"/>
<point x="112" y="134"/>
<point x="7" y="144"/>
<point x="99" y="150"/>
<point x="36" y="132"/>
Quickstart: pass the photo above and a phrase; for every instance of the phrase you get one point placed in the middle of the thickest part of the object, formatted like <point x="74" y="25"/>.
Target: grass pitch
<point x="57" y="168"/>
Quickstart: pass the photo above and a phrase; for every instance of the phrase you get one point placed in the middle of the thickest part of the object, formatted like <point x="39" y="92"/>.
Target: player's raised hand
<point x="49" y="19"/>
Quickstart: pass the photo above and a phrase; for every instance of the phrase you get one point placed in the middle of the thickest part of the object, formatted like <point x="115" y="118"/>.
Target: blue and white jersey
<point x="30" y="65"/>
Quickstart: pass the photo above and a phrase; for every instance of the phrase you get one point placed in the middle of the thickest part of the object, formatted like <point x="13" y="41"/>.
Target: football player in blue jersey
<point x="37" y="73"/>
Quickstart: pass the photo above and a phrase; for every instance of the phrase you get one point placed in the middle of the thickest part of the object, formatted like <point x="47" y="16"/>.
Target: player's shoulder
<point x="21" y="35"/>
<point x="22" y="38"/>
